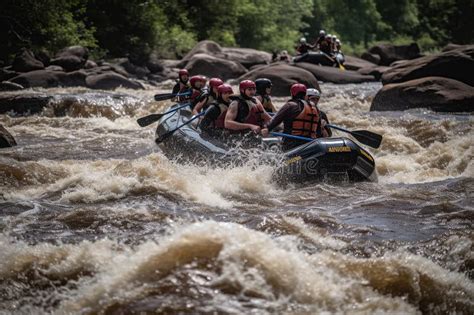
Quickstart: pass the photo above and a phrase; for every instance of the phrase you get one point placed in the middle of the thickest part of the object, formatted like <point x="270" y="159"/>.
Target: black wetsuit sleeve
<point x="175" y="89"/>
<point x="211" y="115"/>
<point x="279" y="116"/>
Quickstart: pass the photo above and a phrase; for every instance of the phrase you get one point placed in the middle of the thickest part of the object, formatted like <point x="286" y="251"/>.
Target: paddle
<point x="363" y="136"/>
<point x="168" y="96"/>
<point x="148" y="120"/>
<point x="169" y="133"/>
<point x="281" y="134"/>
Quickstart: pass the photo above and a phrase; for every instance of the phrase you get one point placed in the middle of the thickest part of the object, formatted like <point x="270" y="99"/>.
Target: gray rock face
<point x="111" y="81"/>
<point x="21" y="103"/>
<point x="26" y="61"/>
<point x="390" y="53"/>
<point x="282" y="76"/>
<point x="247" y="57"/>
<point x="457" y="64"/>
<point x="10" y="86"/>
<point x="334" y="75"/>
<point x="214" y="67"/>
<point x="354" y="63"/>
<point x="6" y="139"/>
<point x="436" y="93"/>
<point x="48" y="78"/>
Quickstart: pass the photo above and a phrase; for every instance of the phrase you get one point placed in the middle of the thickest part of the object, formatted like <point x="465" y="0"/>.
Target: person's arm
<point x="211" y="115"/>
<point x="176" y="89"/>
<point x="272" y="106"/>
<point x="279" y="116"/>
<point x="199" y="105"/>
<point x="230" y="117"/>
<point x="264" y="114"/>
<point x="326" y="131"/>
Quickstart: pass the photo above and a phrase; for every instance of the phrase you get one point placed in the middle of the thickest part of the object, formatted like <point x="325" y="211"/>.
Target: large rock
<point x="354" y="63"/>
<point x="78" y="51"/>
<point x="26" y="61"/>
<point x="69" y="62"/>
<point x="10" y="86"/>
<point x="207" y="47"/>
<point x="246" y="56"/>
<point x="154" y="64"/>
<point x="48" y="78"/>
<point x="371" y="57"/>
<point x="389" y="53"/>
<point x="134" y="70"/>
<point x="282" y="76"/>
<point x="334" y="75"/>
<point x="214" y="67"/>
<point x="23" y="103"/>
<point x="111" y="81"/>
<point x="71" y="58"/>
<point x="457" y="64"/>
<point x="6" y="74"/>
<point x="376" y="71"/>
<point x="6" y="139"/>
<point x="436" y="93"/>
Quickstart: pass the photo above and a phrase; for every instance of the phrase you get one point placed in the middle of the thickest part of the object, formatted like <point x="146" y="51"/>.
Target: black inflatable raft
<point x="321" y="159"/>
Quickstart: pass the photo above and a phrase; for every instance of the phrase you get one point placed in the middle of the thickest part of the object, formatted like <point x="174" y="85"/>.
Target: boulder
<point x="6" y="139"/>
<point x="10" y="86"/>
<point x="436" y="93"/>
<point x="170" y="63"/>
<point x="78" y="51"/>
<point x="282" y="76"/>
<point x="371" y="57"/>
<point x="6" y="74"/>
<point x="207" y="47"/>
<point x="54" y="68"/>
<point x="451" y="46"/>
<point x="69" y="62"/>
<point x="376" y="71"/>
<point x="389" y="53"/>
<point x="107" y="67"/>
<point x="26" y="61"/>
<point x="43" y="56"/>
<point x="334" y="75"/>
<point x="111" y="81"/>
<point x="90" y="64"/>
<point x="154" y="64"/>
<point x="457" y="64"/>
<point x="214" y="67"/>
<point x="134" y="70"/>
<point x="48" y="78"/>
<point x="23" y="103"/>
<point x="354" y="63"/>
<point x="246" y="56"/>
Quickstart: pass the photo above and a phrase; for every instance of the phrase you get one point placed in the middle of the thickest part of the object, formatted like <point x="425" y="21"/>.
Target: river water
<point x="95" y="219"/>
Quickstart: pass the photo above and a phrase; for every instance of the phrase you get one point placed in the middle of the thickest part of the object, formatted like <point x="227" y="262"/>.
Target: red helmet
<point x="215" y="82"/>
<point x="183" y="72"/>
<point x="297" y="88"/>
<point x="224" y="88"/>
<point x="197" y="78"/>
<point x="246" y="84"/>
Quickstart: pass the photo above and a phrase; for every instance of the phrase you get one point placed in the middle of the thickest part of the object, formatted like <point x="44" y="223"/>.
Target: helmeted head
<point x="183" y="75"/>
<point x="214" y="83"/>
<point x="313" y="95"/>
<point x="322" y="33"/>
<point x="262" y="84"/>
<point x="247" y="88"/>
<point x="298" y="91"/>
<point x="303" y="40"/>
<point x="197" y="81"/>
<point x="334" y="38"/>
<point x="224" y="91"/>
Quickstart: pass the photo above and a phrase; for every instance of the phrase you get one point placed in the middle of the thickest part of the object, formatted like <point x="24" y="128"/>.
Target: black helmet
<point x="262" y="84"/>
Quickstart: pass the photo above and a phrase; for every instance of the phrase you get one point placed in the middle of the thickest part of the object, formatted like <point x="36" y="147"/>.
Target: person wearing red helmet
<point x="299" y="118"/>
<point x="213" y="121"/>
<point x="182" y="85"/>
<point x="211" y="95"/>
<point x="199" y="95"/>
<point x="246" y="112"/>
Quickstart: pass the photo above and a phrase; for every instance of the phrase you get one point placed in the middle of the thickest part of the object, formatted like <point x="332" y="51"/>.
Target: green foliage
<point x="170" y="28"/>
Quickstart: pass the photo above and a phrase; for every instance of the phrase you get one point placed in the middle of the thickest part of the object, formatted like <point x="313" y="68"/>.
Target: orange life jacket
<point x="306" y="123"/>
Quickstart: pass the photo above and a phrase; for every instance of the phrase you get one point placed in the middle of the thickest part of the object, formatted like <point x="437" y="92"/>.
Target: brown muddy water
<point x="95" y="219"/>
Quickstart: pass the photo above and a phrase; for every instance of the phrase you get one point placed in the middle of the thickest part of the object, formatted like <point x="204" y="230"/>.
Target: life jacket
<point x="182" y="89"/>
<point x="306" y="123"/>
<point x="248" y="112"/>
<point x="219" y="123"/>
<point x="211" y="100"/>
<point x="196" y="97"/>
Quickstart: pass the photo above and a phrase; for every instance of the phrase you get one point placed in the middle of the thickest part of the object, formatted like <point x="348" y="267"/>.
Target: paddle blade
<point x="369" y="138"/>
<point x="163" y="97"/>
<point x="148" y="120"/>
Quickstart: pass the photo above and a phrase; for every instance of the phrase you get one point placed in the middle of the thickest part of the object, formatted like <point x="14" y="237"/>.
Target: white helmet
<point x="302" y="40"/>
<point x="322" y="33"/>
<point x="313" y="92"/>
